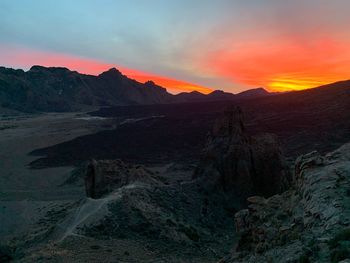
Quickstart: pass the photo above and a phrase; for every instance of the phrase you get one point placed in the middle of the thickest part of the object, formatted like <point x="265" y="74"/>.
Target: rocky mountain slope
<point x="308" y="223"/>
<point x="59" y="89"/>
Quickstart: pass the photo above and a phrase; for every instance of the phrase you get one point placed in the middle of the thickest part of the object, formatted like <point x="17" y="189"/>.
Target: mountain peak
<point x="254" y="92"/>
<point x="217" y="92"/>
<point x="221" y="95"/>
<point x="111" y="72"/>
<point x="196" y="92"/>
<point x="261" y="89"/>
<point x="150" y="83"/>
<point x="38" y="68"/>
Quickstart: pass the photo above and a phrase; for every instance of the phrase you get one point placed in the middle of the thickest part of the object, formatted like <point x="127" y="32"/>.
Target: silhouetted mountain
<point x="259" y="92"/>
<point x="59" y="89"/>
<point x="219" y="95"/>
<point x="190" y="96"/>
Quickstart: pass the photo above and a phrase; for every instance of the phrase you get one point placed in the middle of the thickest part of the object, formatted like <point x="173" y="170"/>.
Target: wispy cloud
<point x="20" y="57"/>
<point x="224" y="44"/>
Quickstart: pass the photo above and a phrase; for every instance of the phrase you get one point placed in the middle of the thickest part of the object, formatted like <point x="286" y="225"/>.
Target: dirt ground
<point x="24" y="191"/>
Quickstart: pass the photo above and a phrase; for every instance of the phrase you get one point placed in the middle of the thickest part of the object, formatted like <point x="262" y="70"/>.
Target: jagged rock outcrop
<point x="132" y="205"/>
<point x="104" y="176"/>
<point x="308" y="223"/>
<point x="241" y="163"/>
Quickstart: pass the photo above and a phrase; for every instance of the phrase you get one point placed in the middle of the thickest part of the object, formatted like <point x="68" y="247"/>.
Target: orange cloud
<point x="25" y="58"/>
<point x="283" y="64"/>
<point x="172" y="85"/>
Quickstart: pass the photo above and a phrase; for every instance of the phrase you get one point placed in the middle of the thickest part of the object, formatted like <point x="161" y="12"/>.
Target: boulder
<point x="105" y="176"/>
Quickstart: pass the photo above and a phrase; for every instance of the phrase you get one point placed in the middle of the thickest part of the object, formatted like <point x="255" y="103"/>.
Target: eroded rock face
<point x="241" y="163"/>
<point x="135" y="204"/>
<point x="308" y="223"/>
<point x="104" y="176"/>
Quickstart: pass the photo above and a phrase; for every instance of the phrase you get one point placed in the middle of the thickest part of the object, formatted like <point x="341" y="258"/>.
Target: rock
<point x="5" y="254"/>
<point x="307" y="222"/>
<point x="260" y="247"/>
<point x="241" y="221"/>
<point x="256" y="200"/>
<point x="240" y="163"/>
<point x="105" y="176"/>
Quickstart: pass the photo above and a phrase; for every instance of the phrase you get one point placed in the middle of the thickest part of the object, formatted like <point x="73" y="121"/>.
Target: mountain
<point x="219" y="95"/>
<point x="259" y="92"/>
<point x="59" y="89"/>
<point x="190" y="96"/>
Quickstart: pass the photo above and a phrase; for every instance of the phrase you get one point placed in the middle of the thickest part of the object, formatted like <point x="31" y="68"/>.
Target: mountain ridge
<point x="60" y="89"/>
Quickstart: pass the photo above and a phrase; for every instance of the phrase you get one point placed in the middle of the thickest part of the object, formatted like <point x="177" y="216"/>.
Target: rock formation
<point x="241" y="163"/>
<point x="308" y="223"/>
<point x="105" y="176"/>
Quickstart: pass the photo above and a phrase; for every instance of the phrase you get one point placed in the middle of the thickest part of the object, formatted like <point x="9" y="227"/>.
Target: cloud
<point x="224" y="44"/>
<point x="289" y="45"/>
<point x="20" y="57"/>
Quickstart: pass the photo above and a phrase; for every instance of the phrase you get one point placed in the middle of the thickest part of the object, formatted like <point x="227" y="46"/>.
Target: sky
<point x="184" y="45"/>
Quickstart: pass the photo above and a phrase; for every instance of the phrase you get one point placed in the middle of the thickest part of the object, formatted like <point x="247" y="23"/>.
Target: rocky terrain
<point x="308" y="223"/>
<point x="240" y="163"/>
<point x="137" y="214"/>
<point x="317" y="119"/>
<point x="152" y="193"/>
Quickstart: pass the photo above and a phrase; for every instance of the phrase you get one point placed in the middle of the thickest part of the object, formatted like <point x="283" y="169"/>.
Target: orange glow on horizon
<point x="25" y="58"/>
<point x="283" y="64"/>
<point x="286" y="84"/>
<point x="278" y="64"/>
<point x="172" y="85"/>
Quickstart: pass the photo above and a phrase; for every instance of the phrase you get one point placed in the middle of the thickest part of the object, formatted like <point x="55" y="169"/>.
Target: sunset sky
<point x="184" y="45"/>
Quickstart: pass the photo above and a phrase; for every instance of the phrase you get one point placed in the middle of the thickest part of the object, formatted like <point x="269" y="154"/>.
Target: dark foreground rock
<point x="308" y="223"/>
<point x="242" y="164"/>
<point x="139" y="215"/>
<point x="105" y="176"/>
<point x="5" y="254"/>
